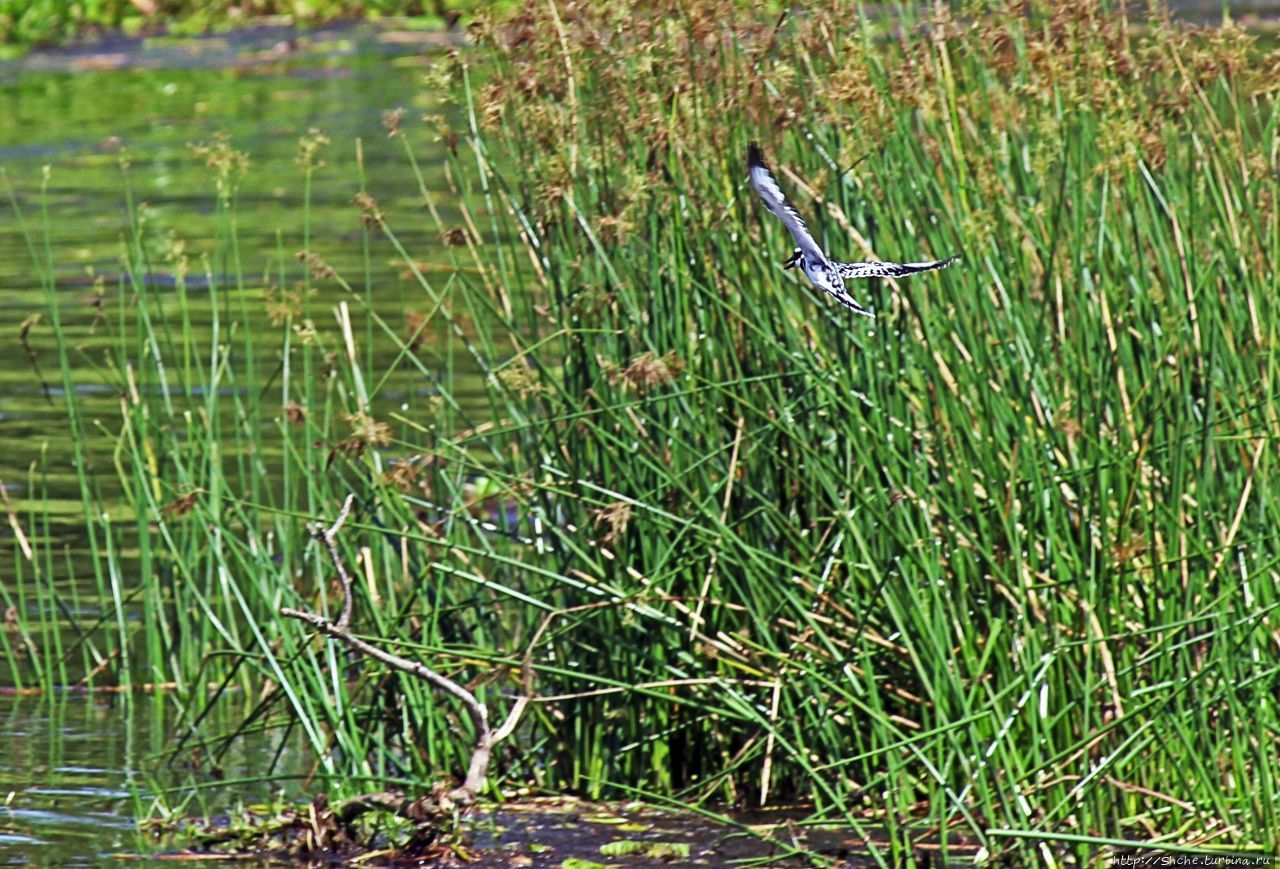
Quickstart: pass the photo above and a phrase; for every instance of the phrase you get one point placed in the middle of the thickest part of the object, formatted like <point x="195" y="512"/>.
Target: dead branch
<point x="328" y="536"/>
<point x="486" y="737"/>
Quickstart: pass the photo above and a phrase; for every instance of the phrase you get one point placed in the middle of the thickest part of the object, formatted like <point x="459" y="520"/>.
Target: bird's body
<point x="825" y="274"/>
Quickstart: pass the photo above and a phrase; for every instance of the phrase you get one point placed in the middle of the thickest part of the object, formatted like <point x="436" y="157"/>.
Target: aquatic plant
<point x="993" y="569"/>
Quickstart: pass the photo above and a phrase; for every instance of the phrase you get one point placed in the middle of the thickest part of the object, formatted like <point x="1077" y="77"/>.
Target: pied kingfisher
<point x="826" y="275"/>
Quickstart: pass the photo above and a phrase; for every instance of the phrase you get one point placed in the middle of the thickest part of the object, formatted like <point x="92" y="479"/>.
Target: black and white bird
<point x="825" y="274"/>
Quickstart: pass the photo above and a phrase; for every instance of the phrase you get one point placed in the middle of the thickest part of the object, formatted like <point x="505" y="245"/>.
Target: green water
<point x="76" y="771"/>
<point x="70" y="766"/>
<point x="82" y="123"/>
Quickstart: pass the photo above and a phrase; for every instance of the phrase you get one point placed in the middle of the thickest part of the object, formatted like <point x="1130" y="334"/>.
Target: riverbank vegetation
<point x="997" y="568"/>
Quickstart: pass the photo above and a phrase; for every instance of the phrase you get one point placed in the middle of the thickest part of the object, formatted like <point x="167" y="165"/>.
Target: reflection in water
<point x="82" y="125"/>
<point x="72" y="765"/>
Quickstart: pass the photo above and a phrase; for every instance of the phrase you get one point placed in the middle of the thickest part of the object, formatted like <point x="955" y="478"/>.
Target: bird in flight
<point x="825" y="274"/>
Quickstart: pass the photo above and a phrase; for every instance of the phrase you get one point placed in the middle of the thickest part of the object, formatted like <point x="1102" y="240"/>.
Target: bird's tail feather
<point x="912" y="268"/>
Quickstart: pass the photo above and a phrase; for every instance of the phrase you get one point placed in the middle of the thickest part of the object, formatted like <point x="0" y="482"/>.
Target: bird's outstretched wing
<point x="767" y="187"/>
<point x="849" y="271"/>
<point x="841" y="295"/>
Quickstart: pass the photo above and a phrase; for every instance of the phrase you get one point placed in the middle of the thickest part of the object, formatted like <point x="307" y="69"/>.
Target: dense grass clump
<point x="997" y="566"/>
<point x="1001" y="558"/>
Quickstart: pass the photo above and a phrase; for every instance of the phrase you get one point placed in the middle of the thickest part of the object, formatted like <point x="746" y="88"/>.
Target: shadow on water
<point x="547" y="832"/>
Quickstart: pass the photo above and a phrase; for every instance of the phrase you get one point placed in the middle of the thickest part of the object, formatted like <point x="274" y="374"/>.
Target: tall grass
<point x="996" y="567"/>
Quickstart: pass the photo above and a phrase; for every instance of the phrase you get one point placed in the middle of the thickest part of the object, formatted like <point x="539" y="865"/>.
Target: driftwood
<point x="486" y="736"/>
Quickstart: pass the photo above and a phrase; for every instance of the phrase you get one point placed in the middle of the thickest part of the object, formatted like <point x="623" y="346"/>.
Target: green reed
<point x="995" y="568"/>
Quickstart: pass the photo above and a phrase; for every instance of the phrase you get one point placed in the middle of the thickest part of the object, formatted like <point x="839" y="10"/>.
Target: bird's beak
<point x="792" y="261"/>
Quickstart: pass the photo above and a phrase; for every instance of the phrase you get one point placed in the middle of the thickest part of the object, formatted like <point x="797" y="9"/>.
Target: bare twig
<point x="486" y="737"/>
<point x="443" y="683"/>
<point x="327" y="536"/>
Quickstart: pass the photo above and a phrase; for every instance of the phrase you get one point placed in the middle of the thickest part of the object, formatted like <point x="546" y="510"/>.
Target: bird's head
<point x="794" y="260"/>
